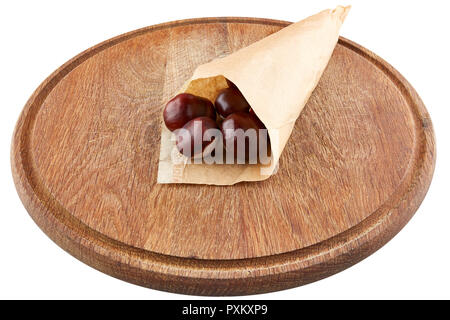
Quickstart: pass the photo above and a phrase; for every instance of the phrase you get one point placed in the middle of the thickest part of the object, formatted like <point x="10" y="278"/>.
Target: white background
<point x="38" y="36"/>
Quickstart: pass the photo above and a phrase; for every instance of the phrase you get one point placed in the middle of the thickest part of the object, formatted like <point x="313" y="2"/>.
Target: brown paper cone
<point x="277" y="76"/>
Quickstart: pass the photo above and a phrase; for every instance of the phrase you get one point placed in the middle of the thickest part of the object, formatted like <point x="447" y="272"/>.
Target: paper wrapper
<point x="277" y="76"/>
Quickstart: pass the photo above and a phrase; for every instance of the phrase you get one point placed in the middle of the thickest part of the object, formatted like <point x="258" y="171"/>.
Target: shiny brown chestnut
<point x="195" y="139"/>
<point x="230" y="100"/>
<point x="234" y="139"/>
<point x="184" y="107"/>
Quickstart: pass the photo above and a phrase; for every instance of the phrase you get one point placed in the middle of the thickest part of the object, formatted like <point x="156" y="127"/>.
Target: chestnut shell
<point x="184" y="107"/>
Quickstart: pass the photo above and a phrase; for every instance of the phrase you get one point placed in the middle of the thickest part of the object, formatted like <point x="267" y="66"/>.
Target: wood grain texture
<point x="85" y="157"/>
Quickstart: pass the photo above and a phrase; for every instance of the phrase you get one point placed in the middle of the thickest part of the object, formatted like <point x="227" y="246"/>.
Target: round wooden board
<point x="85" y="156"/>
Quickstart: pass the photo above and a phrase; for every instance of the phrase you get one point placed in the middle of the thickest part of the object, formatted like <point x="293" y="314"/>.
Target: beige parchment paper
<point x="277" y="76"/>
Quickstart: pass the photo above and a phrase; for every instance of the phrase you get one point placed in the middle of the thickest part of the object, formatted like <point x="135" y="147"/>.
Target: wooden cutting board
<point x="85" y="158"/>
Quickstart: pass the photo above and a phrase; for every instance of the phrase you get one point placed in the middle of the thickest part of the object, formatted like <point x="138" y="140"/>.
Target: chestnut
<point x="236" y="140"/>
<point x="230" y="100"/>
<point x="195" y="138"/>
<point x="258" y="121"/>
<point x="184" y="107"/>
